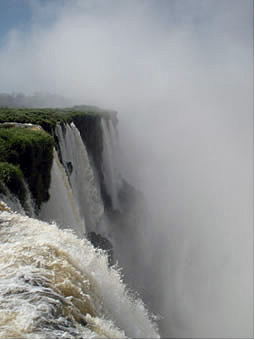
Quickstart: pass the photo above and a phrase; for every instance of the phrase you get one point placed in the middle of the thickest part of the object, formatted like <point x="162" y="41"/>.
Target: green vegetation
<point x="31" y="152"/>
<point x="27" y="152"/>
<point x="47" y="118"/>
<point x="12" y="178"/>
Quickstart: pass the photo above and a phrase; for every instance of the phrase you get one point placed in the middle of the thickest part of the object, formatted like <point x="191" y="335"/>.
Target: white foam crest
<point x="83" y="181"/>
<point x="54" y="285"/>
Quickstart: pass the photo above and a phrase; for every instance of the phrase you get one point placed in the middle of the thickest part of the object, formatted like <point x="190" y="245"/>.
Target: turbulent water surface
<point x="53" y="282"/>
<point x="55" y="285"/>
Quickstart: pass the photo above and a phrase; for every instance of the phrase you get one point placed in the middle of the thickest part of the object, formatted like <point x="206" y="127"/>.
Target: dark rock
<point x="69" y="166"/>
<point x="103" y="243"/>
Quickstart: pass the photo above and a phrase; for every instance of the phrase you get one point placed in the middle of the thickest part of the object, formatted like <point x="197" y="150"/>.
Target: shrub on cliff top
<point x="32" y="152"/>
<point x="47" y="118"/>
<point x="12" y="178"/>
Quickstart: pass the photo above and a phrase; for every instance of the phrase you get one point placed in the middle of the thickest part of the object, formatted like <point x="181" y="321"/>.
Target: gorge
<point x="61" y="187"/>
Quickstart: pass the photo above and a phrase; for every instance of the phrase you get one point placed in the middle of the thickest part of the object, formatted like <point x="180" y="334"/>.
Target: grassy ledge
<point x="49" y="118"/>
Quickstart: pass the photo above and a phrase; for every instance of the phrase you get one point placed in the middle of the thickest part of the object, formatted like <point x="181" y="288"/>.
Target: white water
<point x="54" y="285"/>
<point x="64" y="211"/>
<point x="14" y="204"/>
<point x="30" y="207"/>
<point x="83" y="181"/>
<point x="111" y="171"/>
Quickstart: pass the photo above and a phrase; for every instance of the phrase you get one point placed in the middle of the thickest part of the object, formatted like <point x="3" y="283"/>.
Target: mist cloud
<point x="180" y="75"/>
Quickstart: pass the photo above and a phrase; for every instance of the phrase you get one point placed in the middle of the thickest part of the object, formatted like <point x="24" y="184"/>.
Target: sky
<point x="19" y="15"/>
<point x="111" y="27"/>
<point x="13" y="14"/>
<point x="35" y="34"/>
<point x="180" y="75"/>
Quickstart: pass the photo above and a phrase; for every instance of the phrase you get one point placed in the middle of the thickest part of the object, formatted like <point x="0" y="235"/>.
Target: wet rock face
<point x="69" y="167"/>
<point x="103" y="243"/>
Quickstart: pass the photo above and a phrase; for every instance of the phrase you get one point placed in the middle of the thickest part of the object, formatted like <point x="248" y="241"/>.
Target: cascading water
<point x="111" y="172"/>
<point x="12" y="201"/>
<point x="14" y="204"/>
<point x="29" y="204"/>
<point x="62" y="206"/>
<point x="82" y="179"/>
<point x="54" y="285"/>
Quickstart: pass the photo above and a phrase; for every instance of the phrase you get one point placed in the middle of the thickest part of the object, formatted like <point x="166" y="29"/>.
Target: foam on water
<point x="54" y="285"/>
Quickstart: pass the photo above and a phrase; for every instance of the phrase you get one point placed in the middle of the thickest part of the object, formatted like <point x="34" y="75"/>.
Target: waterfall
<point x="81" y="175"/>
<point x="53" y="282"/>
<point x="111" y="171"/>
<point x="54" y="285"/>
<point x="62" y="206"/>
<point x="29" y="204"/>
<point x="12" y="201"/>
<point x="14" y="204"/>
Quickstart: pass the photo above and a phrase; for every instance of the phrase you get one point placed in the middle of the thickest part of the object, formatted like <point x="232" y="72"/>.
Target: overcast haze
<point x="180" y="74"/>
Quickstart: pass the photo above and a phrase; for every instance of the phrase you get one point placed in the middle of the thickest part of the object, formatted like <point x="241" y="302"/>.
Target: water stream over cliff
<point x="54" y="283"/>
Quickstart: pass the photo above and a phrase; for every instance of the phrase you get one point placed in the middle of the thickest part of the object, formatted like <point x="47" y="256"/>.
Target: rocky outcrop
<point x="103" y="243"/>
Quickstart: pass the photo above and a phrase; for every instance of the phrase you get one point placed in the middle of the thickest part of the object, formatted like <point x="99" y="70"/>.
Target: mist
<point x="180" y="75"/>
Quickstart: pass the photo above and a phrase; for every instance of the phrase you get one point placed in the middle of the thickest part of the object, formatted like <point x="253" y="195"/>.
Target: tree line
<point x="38" y="100"/>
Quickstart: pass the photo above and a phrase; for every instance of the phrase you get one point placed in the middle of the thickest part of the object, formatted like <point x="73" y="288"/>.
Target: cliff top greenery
<point x="11" y="177"/>
<point x="48" y="117"/>
<point x="26" y="152"/>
